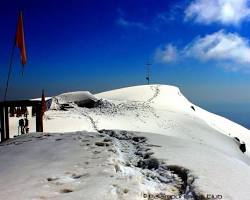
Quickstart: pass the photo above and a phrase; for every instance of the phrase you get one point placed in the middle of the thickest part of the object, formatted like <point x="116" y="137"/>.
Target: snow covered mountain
<point x="140" y="141"/>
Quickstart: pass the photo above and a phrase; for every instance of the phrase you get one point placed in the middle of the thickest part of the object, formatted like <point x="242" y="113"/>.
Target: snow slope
<point x="167" y="102"/>
<point x="181" y="135"/>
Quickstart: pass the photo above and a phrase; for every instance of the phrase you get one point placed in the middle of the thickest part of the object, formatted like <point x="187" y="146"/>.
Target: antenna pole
<point x="148" y="65"/>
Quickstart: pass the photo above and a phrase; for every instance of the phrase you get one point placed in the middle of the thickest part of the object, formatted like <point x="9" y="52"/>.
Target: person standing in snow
<point x="20" y="126"/>
<point x="26" y="125"/>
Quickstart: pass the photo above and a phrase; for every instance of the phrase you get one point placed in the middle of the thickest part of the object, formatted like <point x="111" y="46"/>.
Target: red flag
<point x="44" y="106"/>
<point x="20" y="43"/>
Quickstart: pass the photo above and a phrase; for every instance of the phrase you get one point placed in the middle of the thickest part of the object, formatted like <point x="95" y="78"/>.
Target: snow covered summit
<point x="137" y="124"/>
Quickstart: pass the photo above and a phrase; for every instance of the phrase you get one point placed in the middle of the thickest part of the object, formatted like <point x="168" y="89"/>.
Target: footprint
<point x="77" y="176"/>
<point x="52" y="179"/>
<point x="125" y="190"/>
<point x="107" y="140"/>
<point x="153" y="145"/>
<point x="84" y="140"/>
<point x="66" y="190"/>
<point x="43" y="197"/>
<point x="102" y="144"/>
<point x="96" y="152"/>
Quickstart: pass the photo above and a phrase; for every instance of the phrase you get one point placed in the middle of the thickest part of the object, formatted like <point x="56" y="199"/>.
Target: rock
<point x="151" y="163"/>
<point x="243" y="147"/>
<point x="139" y="139"/>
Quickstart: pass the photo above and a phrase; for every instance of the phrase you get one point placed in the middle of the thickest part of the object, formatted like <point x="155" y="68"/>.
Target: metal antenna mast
<point x="148" y="65"/>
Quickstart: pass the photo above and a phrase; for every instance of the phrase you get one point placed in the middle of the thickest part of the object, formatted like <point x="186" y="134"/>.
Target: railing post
<point x="39" y="118"/>
<point x="2" y="123"/>
<point x="6" y="119"/>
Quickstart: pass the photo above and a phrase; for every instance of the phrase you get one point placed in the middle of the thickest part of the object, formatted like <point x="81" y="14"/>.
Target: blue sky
<point x="202" y="46"/>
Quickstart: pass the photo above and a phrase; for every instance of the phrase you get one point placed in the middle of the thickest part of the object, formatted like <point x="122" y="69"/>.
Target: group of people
<point x="23" y="126"/>
<point x="23" y="123"/>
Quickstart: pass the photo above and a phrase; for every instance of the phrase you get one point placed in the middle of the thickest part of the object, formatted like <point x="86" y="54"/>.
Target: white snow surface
<point x="75" y="96"/>
<point x="197" y="140"/>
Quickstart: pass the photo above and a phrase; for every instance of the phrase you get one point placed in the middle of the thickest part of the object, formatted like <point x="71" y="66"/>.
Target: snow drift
<point x="81" y="98"/>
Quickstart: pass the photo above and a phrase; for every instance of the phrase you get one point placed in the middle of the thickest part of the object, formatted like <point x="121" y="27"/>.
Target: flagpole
<point x="19" y="42"/>
<point x="10" y="69"/>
